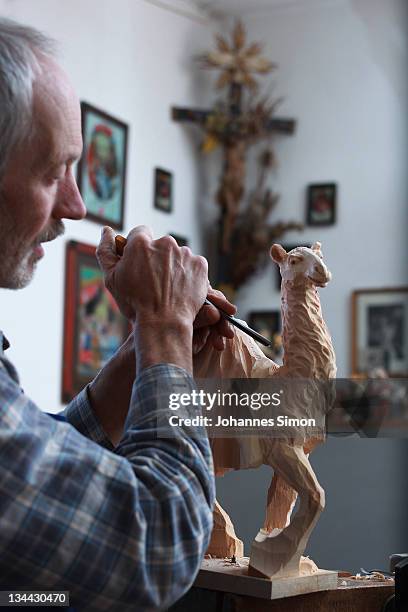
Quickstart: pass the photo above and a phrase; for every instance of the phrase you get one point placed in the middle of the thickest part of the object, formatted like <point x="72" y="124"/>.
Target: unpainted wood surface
<point x="356" y="598"/>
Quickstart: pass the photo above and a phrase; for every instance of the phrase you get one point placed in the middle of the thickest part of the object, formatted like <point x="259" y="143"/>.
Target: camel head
<point x="302" y="263"/>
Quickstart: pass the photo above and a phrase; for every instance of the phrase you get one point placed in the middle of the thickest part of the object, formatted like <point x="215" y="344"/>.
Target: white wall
<point x="134" y="60"/>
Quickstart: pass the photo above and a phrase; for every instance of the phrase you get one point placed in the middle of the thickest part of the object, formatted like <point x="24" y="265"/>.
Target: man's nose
<point x="69" y="203"/>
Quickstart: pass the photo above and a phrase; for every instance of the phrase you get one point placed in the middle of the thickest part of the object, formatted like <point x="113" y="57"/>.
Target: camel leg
<point x="280" y="555"/>
<point x="280" y="503"/>
<point x="224" y="542"/>
<point x="282" y="498"/>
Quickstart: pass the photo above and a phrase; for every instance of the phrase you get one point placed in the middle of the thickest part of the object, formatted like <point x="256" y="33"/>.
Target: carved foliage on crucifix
<point x="236" y="124"/>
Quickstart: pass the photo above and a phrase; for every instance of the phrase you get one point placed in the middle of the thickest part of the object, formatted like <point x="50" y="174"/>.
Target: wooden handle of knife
<point x="120" y="243"/>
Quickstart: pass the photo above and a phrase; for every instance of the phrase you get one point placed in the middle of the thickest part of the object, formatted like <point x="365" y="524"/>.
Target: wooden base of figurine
<point x="222" y="575"/>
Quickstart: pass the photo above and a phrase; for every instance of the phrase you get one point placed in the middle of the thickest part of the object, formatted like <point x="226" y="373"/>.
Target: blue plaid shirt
<point x="121" y="528"/>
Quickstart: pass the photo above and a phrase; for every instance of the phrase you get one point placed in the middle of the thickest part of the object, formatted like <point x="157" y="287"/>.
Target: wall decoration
<point x="321" y="204"/>
<point x="181" y="240"/>
<point x="380" y="331"/>
<point x="163" y="190"/>
<point x="102" y="167"/>
<point x="237" y="122"/>
<point x="287" y="247"/>
<point x="268" y="323"/>
<point x="93" y="325"/>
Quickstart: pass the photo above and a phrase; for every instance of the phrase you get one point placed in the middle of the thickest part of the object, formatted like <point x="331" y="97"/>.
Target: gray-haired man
<point x="121" y="515"/>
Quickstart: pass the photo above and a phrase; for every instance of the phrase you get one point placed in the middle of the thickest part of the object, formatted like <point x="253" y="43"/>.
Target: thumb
<point x="106" y="250"/>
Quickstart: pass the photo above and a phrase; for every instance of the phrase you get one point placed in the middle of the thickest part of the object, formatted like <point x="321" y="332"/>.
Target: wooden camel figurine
<point x="308" y="355"/>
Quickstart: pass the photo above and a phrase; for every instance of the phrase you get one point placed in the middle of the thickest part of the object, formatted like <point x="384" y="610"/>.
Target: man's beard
<point x="18" y="261"/>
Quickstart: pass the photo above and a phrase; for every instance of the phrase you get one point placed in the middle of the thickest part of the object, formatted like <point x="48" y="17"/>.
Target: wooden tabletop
<point x="351" y="598"/>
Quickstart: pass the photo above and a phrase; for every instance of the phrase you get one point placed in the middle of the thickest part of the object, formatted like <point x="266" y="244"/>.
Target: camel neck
<point x="308" y="347"/>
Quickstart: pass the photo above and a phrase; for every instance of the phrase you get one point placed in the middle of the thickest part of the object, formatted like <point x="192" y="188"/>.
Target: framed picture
<point x="181" y="241"/>
<point x="287" y="247"/>
<point x="380" y="331"/>
<point x="268" y="323"/>
<point x="163" y="190"/>
<point x="321" y="204"/>
<point x="102" y="167"/>
<point x="93" y="325"/>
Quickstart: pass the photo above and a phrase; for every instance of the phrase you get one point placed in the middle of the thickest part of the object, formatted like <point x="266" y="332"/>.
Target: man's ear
<point x="278" y="253"/>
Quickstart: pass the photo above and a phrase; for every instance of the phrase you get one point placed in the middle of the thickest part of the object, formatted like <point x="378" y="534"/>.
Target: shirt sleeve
<point x="123" y="530"/>
<point x="81" y="416"/>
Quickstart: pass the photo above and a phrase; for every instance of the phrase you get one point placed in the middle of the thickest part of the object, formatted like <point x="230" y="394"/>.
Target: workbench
<point x="347" y="596"/>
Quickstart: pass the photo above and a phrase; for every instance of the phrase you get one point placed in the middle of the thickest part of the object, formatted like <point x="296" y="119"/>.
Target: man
<point x="114" y="506"/>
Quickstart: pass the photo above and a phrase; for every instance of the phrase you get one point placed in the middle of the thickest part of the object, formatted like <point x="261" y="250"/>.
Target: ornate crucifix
<point x="235" y="126"/>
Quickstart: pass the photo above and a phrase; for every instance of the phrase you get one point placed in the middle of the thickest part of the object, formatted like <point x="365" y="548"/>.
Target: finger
<point x="224" y="328"/>
<point x="200" y="337"/>
<point x="166" y="242"/>
<point x="221" y="301"/>
<point x="139" y="231"/>
<point x="216" y="340"/>
<point x="186" y="250"/>
<point x="106" y="250"/>
<point x="207" y="315"/>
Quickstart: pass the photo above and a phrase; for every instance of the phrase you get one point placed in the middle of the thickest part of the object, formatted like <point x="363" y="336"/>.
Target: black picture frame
<point x="379" y="333"/>
<point x="163" y="190"/>
<point x="101" y="171"/>
<point x="269" y="324"/>
<point x="321" y="204"/>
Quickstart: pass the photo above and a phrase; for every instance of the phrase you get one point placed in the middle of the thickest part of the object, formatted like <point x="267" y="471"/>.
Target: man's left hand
<point x="210" y="326"/>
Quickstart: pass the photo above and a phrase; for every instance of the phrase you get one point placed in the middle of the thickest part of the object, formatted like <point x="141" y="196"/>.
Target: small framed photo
<point x="321" y="204"/>
<point x="181" y="240"/>
<point x="94" y="328"/>
<point x="268" y="323"/>
<point x="102" y="167"/>
<point x="380" y="331"/>
<point x="287" y="247"/>
<point x="163" y="190"/>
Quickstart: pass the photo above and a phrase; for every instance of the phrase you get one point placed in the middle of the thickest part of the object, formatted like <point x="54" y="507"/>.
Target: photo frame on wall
<point x="101" y="171"/>
<point x="94" y="328"/>
<point x="380" y="331"/>
<point x="163" y="190"/>
<point x="268" y="323"/>
<point x="321" y="204"/>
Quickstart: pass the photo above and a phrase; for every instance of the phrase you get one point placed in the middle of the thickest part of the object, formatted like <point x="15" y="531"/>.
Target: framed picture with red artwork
<point x="101" y="171"/>
<point x="94" y="328"/>
<point x="321" y="204"/>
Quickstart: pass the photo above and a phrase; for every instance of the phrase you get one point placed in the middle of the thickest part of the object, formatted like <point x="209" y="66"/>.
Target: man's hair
<point x="21" y="49"/>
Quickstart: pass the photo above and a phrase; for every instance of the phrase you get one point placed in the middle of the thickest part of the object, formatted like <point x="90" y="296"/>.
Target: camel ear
<point x="317" y="248"/>
<point x="278" y="253"/>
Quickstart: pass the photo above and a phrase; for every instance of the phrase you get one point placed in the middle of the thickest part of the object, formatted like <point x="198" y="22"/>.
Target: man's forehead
<point x="56" y="113"/>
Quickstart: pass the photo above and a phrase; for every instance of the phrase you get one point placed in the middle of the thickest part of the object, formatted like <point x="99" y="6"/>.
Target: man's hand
<point x="210" y="326"/>
<point x="159" y="286"/>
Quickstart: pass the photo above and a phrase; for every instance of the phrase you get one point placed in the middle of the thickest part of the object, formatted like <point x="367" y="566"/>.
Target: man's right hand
<point x="160" y="287"/>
